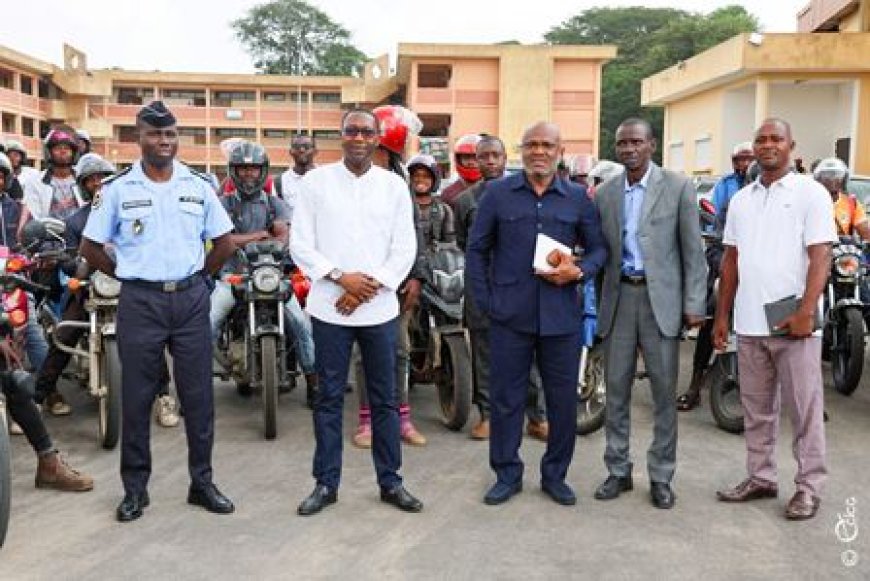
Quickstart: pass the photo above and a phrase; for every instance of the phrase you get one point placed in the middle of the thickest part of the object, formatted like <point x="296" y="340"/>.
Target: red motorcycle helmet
<point x="397" y="125"/>
<point x="466" y="145"/>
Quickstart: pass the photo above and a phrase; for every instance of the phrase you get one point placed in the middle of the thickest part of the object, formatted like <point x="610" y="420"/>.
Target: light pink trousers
<point x="777" y="371"/>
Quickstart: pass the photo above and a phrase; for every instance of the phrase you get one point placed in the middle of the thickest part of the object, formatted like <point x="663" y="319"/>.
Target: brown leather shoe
<point x="747" y="490"/>
<point x="53" y="472"/>
<point x="538" y="430"/>
<point x="480" y="431"/>
<point x="802" y="506"/>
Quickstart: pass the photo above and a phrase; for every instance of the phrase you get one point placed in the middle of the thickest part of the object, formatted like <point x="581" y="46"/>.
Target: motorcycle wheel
<point x="847" y="358"/>
<point x="5" y="476"/>
<point x="269" y="371"/>
<point x="725" y="395"/>
<point x="454" y="381"/>
<point x="592" y="401"/>
<point x="110" y="404"/>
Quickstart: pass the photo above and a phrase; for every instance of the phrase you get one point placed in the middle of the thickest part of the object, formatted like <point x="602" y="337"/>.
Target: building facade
<point x="817" y="79"/>
<point x="456" y="89"/>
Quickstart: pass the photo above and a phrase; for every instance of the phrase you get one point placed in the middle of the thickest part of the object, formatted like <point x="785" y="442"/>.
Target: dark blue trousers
<point x="333" y="344"/>
<point x="558" y="358"/>
<point x="148" y="322"/>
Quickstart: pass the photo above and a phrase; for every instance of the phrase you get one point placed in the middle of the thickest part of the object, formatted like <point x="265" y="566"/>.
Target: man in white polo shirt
<point x="303" y="150"/>
<point x="353" y="234"/>
<point x="777" y="240"/>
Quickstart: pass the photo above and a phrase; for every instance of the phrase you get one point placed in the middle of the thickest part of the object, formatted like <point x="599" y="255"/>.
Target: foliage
<point x="649" y="40"/>
<point x="293" y="37"/>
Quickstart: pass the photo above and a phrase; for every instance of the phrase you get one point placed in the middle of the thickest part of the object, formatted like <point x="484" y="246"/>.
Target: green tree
<point x="649" y="40"/>
<point x="293" y="37"/>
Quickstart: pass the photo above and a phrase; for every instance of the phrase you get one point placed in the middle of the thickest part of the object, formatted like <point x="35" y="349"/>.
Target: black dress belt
<point x="636" y="280"/>
<point x="169" y="286"/>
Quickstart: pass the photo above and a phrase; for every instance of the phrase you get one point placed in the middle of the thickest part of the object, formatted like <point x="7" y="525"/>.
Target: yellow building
<point x="818" y="79"/>
<point x="456" y="89"/>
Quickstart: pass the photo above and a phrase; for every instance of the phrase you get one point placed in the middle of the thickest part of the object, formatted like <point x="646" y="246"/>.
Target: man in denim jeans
<point x="259" y="216"/>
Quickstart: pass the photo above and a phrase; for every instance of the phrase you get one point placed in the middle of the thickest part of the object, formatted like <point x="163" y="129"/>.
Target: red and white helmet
<point x="466" y="145"/>
<point x="398" y="124"/>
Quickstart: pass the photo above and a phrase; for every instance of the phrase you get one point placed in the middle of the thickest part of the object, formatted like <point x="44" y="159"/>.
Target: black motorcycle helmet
<point x="247" y="153"/>
<point x="427" y="162"/>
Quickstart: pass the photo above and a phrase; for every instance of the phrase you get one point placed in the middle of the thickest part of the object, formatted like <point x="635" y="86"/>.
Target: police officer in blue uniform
<point x="158" y="215"/>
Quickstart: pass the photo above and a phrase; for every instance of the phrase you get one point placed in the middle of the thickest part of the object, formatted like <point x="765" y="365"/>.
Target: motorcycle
<point x="843" y="327"/>
<point x="100" y="364"/>
<point x="440" y="352"/>
<point x="13" y="318"/>
<point x="591" y="382"/>
<point x="252" y="341"/>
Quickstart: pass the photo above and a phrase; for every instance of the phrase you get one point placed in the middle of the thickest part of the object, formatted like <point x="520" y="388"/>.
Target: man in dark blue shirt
<point x="533" y="313"/>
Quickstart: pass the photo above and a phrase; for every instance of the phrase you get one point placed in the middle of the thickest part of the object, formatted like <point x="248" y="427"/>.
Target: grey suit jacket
<point x="670" y="240"/>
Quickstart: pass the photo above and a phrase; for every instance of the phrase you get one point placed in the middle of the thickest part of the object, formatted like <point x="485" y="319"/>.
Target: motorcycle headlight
<point x="105" y="286"/>
<point x="266" y="279"/>
<point x="847" y="265"/>
<point x="449" y="286"/>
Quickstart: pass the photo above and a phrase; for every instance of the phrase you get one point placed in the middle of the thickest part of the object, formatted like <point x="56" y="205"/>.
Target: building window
<point x="134" y="95"/>
<point x="9" y="123"/>
<point x="299" y="96"/>
<point x="194" y="135"/>
<point x="44" y="127"/>
<point x="27" y="126"/>
<point x="326" y="98"/>
<point x="227" y="98"/>
<point x="6" y="79"/>
<point x="275" y="134"/>
<point x="434" y="76"/>
<point x="243" y="132"/>
<point x="45" y="89"/>
<point x="703" y="153"/>
<point x="326" y="134"/>
<point x="127" y="134"/>
<point x="274" y="97"/>
<point x="26" y="85"/>
<point x="191" y="97"/>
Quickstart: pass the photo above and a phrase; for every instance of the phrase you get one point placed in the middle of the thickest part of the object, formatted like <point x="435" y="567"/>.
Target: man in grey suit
<point x="654" y="282"/>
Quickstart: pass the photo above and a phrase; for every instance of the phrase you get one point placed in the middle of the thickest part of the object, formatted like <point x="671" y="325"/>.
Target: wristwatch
<point x="335" y="275"/>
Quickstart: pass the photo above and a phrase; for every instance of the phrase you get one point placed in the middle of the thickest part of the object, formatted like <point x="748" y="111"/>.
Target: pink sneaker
<point x="363" y="436"/>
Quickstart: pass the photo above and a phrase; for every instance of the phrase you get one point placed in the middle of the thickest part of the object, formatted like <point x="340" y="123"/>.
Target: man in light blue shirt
<point x="158" y="215"/>
<point x="632" y="256"/>
<point x="727" y="186"/>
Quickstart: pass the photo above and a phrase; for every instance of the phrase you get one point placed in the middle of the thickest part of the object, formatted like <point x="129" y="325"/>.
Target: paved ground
<point x="63" y="536"/>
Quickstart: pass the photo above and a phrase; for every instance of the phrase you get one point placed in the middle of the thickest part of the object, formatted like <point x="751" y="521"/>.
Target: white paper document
<point x="544" y="245"/>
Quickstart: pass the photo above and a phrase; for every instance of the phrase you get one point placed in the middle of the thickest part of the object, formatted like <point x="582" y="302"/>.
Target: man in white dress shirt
<point x="353" y="234"/>
<point x="303" y="150"/>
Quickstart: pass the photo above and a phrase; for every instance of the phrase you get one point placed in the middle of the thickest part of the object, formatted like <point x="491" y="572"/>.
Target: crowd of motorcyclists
<point x="261" y="208"/>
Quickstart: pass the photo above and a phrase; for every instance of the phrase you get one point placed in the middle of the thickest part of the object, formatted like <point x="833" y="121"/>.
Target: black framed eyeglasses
<point x="366" y="132"/>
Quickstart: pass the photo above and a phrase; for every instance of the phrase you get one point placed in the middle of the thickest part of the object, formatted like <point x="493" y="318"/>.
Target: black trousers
<point x="17" y="387"/>
<point x="149" y="321"/>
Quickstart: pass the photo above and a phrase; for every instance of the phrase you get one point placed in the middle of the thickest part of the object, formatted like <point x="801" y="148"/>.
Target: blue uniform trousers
<point x="558" y="359"/>
<point x="333" y="344"/>
<point x="150" y="320"/>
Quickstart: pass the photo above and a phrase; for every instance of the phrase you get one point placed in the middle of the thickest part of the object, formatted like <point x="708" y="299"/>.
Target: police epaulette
<point x="198" y="174"/>
<point x="115" y="176"/>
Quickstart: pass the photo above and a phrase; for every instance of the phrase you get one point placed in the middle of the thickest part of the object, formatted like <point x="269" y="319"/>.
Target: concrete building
<point x="456" y="89"/>
<point x="818" y="79"/>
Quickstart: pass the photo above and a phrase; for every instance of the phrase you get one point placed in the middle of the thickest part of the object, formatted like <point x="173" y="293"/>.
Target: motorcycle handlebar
<point x="20" y="282"/>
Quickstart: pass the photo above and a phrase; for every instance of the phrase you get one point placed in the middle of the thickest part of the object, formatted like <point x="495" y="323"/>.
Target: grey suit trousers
<point x="635" y="328"/>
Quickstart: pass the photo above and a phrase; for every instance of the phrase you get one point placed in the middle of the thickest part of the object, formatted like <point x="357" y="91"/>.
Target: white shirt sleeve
<point x="729" y="236"/>
<point x="303" y="235"/>
<point x="32" y="197"/>
<point x="403" y="240"/>
<point x="819" y="226"/>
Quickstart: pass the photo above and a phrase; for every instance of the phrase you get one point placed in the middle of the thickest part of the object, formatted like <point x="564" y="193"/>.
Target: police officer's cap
<point x="156" y="114"/>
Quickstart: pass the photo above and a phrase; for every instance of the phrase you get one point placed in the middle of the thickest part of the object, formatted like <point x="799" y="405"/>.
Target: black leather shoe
<point x="211" y="499"/>
<point x="613" y="487"/>
<point x="132" y="506"/>
<point x="321" y="497"/>
<point x="501" y="493"/>
<point x="560" y="493"/>
<point x="401" y="499"/>
<point x="662" y="495"/>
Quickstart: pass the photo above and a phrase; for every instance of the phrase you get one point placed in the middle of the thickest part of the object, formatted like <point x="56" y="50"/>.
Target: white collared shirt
<point x="355" y="224"/>
<point x="291" y="182"/>
<point x="772" y="228"/>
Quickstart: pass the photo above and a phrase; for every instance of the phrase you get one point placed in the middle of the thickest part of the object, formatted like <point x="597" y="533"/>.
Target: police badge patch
<point x="97" y="202"/>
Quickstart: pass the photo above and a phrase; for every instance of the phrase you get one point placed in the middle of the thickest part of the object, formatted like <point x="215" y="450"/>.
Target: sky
<point x="195" y="35"/>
